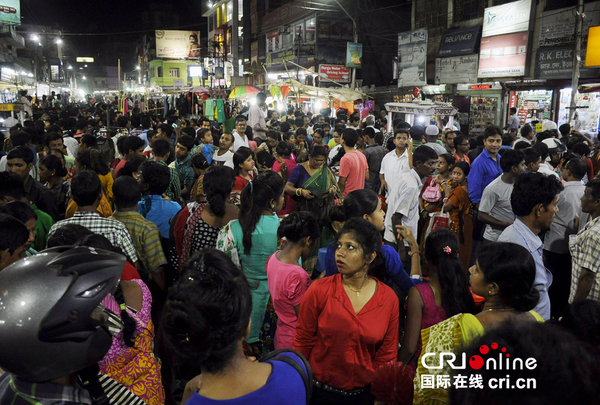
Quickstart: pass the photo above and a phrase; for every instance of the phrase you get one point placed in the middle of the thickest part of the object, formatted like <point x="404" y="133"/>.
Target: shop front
<point x="479" y="105"/>
<point x="587" y="110"/>
<point x="532" y="105"/>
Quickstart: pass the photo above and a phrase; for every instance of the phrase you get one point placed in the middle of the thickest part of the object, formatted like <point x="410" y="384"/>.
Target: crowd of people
<point x="297" y="259"/>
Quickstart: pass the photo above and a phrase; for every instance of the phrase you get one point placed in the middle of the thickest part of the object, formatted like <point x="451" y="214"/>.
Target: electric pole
<point x="576" y="57"/>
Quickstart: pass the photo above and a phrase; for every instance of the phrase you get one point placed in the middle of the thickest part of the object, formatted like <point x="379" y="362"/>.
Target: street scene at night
<point x="290" y="202"/>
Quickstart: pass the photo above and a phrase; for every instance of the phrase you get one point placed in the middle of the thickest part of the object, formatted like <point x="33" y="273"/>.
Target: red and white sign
<point x="503" y="55"/>
<point x="338" y="73"/>
<point x="513" y="100"/>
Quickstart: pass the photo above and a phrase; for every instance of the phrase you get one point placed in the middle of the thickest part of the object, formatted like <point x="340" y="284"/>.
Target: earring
<point x="272" y="206"/>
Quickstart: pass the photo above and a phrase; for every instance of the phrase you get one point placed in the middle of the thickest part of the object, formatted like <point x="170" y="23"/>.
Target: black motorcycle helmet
<point x="46" y="302"/>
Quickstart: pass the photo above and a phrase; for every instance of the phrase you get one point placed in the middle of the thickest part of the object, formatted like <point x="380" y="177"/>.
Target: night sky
<point x="102" y="16"/>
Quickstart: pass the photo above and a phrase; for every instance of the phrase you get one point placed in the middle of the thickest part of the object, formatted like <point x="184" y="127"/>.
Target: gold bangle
<point x="298" y="192"/>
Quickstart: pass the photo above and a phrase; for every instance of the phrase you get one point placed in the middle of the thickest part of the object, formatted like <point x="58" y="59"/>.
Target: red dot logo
<point x="476" y="362"/>
<point x="484" y="349"/>
<point x="494" y="345"/>
<point x="503" y="349"/>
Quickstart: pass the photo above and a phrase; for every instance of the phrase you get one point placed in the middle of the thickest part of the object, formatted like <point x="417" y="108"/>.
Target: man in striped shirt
<point x="146" y="238"/>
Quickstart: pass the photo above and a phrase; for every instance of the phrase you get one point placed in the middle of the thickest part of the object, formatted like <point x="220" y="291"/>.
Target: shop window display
<point x="483" y="114"/>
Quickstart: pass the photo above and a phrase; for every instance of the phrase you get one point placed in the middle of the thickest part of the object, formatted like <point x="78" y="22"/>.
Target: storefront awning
<point x="340" y="93"/>
<point x="463" y="41"/>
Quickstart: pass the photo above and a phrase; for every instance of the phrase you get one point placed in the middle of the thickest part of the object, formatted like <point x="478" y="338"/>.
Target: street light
<point x="34" y="37"/>
<point x="58" y="41"/>
<point x="70" y="67"/>
<point x="137" y="67"/>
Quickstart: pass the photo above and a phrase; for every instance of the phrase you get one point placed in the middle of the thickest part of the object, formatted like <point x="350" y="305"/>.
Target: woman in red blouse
<point x="348" y="323"/>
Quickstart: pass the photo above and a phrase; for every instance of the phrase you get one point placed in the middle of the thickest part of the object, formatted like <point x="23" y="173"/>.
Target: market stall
<point x="323" y="96"/>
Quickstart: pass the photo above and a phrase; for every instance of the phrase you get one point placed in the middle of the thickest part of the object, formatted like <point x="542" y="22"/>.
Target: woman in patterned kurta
<point x="135" y="367"/>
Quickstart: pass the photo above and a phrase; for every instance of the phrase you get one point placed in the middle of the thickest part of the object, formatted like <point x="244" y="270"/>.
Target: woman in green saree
<point x="314" y="185"/>
<point x="504" y="276"/>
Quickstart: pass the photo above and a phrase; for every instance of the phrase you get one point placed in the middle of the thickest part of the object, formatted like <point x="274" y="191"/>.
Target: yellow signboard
<point x="538" y="127"/>
<point x="85" y="59"/>
<point x="6" y="107"/>
<point x="592" y="55"/>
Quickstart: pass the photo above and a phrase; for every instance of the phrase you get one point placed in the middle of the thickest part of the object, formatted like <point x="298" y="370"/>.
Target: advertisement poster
<point x="503" y="56"/>
<point x="177" y="44"/>
<point x="412" y="58"/>
<point x="506" y="18"/>
<point x="458" y="69"/>
<point x="556" y="62"/>
<point x="354" y="55"/>
<point x="558" y="26"/>
<point x="10" y="12"/>
<point x="336" y="29"/>
<point x="459" y="42"/>
<point x="336" y="73"/>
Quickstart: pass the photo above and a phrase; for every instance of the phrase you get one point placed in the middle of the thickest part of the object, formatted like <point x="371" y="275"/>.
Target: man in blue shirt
<point x="534" y="201"/>
<point x="484" y="169"/>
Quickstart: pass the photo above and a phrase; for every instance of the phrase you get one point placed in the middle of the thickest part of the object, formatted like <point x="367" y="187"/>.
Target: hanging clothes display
<point x="210" y="109"/>
<point x="220" y="111"/>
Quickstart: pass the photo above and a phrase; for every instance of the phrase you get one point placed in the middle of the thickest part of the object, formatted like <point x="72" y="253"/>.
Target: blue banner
<point x="459" y="42"/>
<point x="354" y="55"/>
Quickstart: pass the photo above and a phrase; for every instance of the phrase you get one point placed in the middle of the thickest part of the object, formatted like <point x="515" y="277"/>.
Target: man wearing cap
<point x="257" y="115"/>
<point x="431" y="133"/>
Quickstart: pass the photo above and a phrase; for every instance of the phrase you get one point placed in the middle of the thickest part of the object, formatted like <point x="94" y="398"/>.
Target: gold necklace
<point x="361" y="288"/>
<point x="498" y="309"/>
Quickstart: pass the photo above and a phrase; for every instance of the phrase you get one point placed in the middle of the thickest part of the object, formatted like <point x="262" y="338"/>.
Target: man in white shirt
<point x="257" y="116"/>
<point x="431" y="134"/>
<point x="403" y="202"/>
<point x="495" y="209"/>
<point x="239" y="134"/>
<point x="224" y="156"/>
<point x="370" y="122"/>
<point x="395" y="163"/>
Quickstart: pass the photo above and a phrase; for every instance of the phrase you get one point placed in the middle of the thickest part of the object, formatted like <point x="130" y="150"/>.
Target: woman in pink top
<point x="288" y="281"/>
<point x="284" y="166"/>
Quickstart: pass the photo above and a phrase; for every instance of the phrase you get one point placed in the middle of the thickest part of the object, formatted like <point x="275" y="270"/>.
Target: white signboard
<point x="507" y="18"/>
<point x="412" y="58"/>
<point x="558" y="26"/>
<point x="457" y="69"/>
<point x="177" y="44"/>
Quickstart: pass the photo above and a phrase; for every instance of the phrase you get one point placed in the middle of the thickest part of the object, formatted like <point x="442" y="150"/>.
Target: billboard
<point x="506" y="18"/>
<point x="10" y="12"/>
<point x="354" y="55"/>
<point x="503" y="55"/>
<point x="457" y="69"/>
<point x="177" y="44"/>
<point x="337" y="73"/>
<point x="459" y="42"/>
<point x="558" y="26"/>
<point x="556" y="62"/>
<point x="412" y="58"/>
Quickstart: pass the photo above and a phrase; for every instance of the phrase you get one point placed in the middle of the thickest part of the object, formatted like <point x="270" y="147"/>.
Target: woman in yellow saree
<point x="504" y="276"/>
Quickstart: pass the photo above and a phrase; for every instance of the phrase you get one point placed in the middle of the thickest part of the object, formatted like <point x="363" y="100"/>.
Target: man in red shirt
<point x="353" y="166"/>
